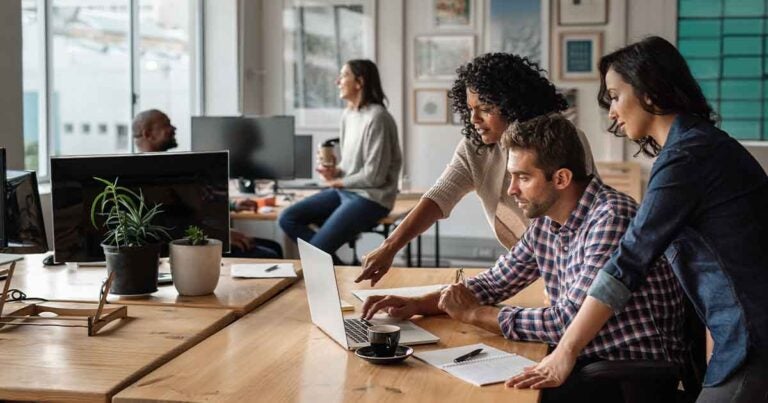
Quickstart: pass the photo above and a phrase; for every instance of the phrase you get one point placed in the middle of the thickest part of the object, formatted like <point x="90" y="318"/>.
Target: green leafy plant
<point x="195" y="236"/>
<point x="128" y="218"/>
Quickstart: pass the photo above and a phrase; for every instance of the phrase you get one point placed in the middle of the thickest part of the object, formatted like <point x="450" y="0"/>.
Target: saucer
<point x="401" y="354"/>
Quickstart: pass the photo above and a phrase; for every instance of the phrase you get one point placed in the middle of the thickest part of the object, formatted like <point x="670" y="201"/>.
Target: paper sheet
<point x="259" y="270"/>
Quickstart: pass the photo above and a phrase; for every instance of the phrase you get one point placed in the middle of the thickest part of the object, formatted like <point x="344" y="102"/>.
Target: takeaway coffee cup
<point x="326" y="157"/>
<point x="384" y="339"/>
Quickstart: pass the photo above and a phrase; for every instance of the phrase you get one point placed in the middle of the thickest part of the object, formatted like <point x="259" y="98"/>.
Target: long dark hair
<point x="657" y="72"/>
<point x="366" y="70"/>
<point x="512" y="83"/>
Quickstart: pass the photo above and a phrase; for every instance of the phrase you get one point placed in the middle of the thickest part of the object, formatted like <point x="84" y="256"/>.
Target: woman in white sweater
<point x="491" y="92"/>
<point x="364" y="184"/>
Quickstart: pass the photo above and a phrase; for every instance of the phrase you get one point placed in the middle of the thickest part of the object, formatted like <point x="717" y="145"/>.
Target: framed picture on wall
<point x="438" y="56"/>
<point x="582" y="12"/>
<point x="520" y="27"/>
<point x="430" y="106"/>
<point x="578" y="55"/>
<point x="453" y="14"/>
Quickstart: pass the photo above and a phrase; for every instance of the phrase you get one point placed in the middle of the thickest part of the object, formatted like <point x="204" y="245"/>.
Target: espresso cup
<point x="384" y="339"/>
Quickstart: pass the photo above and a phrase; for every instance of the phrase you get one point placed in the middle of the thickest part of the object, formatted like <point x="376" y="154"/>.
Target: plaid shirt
<point x="568" y="257"/>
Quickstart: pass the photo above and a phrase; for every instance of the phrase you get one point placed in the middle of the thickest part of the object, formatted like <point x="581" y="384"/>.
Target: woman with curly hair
<point x="491" y="92"/>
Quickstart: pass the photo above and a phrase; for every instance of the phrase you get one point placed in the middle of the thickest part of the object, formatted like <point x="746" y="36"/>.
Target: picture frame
<point x="520" y="27"/>
<point x="436" y="57"/>
<point x="430" y="106"/>
<point x="578" y="55"/>
<point x="453" y="14"/>
<point x="582" y="12"/>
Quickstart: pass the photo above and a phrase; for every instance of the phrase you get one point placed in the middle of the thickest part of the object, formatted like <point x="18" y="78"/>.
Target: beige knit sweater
<point x="486" y="173"/>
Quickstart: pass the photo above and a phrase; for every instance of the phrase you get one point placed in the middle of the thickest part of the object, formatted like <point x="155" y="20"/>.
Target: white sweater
<point x="370" y="154"/>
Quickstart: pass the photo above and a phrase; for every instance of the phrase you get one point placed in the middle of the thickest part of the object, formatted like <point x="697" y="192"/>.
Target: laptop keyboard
<point x="357" y="329"/>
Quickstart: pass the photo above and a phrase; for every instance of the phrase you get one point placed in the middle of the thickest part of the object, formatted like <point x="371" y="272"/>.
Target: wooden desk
<point x="404" y="203"/>
<point x="64" y="364"/>
<point x="276" y="354"/>
<point x="82" y="284"/>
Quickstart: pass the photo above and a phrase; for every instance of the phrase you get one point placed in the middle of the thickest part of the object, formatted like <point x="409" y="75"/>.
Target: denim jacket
<point x="706" y="209"/>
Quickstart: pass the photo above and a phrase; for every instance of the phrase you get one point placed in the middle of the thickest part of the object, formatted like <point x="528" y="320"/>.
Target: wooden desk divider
<point x="93" y="318"/>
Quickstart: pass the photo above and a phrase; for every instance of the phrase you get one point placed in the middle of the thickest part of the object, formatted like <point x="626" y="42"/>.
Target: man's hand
<point x="397" y="307"/>
<point x="239" y="240"/>
<point x="376" y="264"/>
<point x="458" y="302"/>
<point x="551" y="372"/>
<point x="246" y="204"/>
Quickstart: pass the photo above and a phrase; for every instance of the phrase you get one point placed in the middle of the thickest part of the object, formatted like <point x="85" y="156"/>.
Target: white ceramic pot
<point x="195" y="268"/>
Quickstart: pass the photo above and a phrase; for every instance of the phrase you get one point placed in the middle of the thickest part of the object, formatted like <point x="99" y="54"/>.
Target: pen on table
<point x="468" y="355"/>
<point x="271" y="268"/>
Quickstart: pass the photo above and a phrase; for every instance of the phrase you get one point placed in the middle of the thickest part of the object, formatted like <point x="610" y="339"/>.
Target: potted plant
<point x="132" y="243"/>
<point x="195" y="262"/>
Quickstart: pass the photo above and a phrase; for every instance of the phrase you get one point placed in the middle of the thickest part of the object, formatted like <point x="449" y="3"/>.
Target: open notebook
<point x="489" y="367"/>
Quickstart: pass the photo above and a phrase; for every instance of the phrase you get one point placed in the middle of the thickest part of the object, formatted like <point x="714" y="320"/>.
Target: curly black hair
<point x="514" y="84"/>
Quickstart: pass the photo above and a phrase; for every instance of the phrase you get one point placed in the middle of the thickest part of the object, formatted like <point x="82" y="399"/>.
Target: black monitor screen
<point x="303" y="156"/>
<point x="24" y="226"/>
<point x="259" y="147"/>
<point x="192" y="188"/>
<point x="3" y="239"/>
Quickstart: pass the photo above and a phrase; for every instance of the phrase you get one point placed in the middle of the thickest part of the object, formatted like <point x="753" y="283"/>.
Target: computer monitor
<point x="22" y="226"/>
<point x="303" y="157"/>
<point x="259" y="147"/>
<point x="192" y="188"/>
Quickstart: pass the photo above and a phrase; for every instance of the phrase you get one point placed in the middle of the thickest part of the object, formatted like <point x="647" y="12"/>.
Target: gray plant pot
<point x="135" y="268"/>
<point x="195" y="268"/>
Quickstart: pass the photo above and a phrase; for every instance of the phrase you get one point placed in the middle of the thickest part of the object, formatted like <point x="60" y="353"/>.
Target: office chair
<point x="645" y="381"/>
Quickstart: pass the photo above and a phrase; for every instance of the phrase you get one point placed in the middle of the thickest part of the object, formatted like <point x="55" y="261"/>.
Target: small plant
<point x="128" y="218"/>
<point x="195" y="235"/>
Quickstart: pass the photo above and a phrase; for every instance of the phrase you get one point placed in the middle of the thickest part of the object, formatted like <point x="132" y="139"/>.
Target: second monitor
<point x="259" y="147"/>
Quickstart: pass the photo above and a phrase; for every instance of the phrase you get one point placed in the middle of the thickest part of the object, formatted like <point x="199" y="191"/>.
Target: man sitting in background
<point x="153" y="132"/>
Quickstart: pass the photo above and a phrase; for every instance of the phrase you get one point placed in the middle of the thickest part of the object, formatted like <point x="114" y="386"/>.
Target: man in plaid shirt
<point x="577" y="222"/>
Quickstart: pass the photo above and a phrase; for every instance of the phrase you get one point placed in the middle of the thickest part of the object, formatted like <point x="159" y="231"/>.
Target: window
<point x="725" y="45"/>
<point x="320" y="37"/>
<point x="80" y="65"/>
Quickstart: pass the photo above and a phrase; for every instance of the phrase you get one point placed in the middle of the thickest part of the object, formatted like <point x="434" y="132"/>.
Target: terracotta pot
<point x="195" y="268"/>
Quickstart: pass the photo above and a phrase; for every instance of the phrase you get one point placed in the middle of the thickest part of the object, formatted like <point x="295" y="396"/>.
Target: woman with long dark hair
<point x="492" y="92"/>
<point x="705" y="209"/>
<point x="364" y="184"/>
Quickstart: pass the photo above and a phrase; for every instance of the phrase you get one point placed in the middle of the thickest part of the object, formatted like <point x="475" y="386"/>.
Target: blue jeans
<point x="340" y="214"/>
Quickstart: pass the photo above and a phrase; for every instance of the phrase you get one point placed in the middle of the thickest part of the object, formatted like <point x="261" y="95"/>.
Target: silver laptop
<point x="325" y="305"/>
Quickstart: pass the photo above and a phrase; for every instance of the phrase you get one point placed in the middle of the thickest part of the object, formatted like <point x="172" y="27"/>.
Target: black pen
<point x="269" y="269"/>
<point x="468" y="355"/>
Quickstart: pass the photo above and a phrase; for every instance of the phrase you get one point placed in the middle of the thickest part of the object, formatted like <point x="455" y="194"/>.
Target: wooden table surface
<point x="64" y="364"/>
<point x="81" y="284"/>
<point x="276" y="354"/>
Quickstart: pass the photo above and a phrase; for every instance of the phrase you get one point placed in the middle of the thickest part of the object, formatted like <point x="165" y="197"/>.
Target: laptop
<point x="325" y="306"/>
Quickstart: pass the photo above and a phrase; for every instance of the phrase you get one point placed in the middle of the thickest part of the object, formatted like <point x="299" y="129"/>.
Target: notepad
<point x="489" y="367"/>
<point x="400" y="292"/>
<point x="346" y="306"/>
<point x="259" y="270"/>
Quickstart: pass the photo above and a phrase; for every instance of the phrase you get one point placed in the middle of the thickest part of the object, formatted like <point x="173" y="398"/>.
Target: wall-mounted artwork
<point x="582" y="12"/>
<point x="579" y="53"/>
<point x="438" y="56"/>
<point x="520" y="27"/>
<point x="453" y="14"/>
<point x="430" y="106"/>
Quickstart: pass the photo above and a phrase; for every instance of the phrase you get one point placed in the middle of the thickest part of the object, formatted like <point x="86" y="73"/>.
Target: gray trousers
<point x="748" y="385"/>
